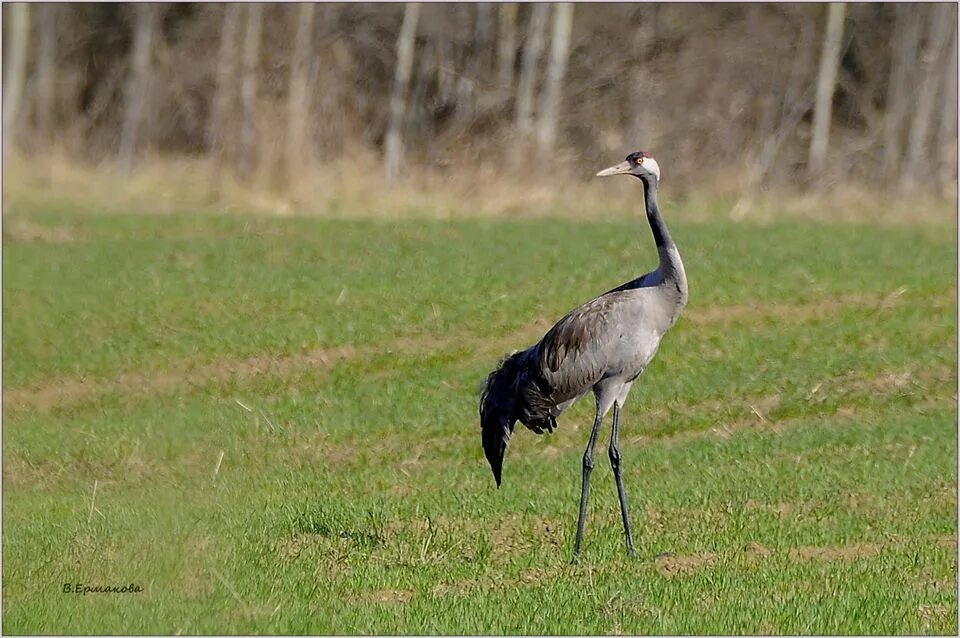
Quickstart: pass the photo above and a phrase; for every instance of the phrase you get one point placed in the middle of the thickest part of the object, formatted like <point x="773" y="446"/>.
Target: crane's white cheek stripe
<point x="651" y="165"/>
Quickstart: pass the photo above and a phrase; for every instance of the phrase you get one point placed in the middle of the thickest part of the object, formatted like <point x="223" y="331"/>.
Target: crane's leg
<point x="621" y="490"/>
<point x="587" y="469"/>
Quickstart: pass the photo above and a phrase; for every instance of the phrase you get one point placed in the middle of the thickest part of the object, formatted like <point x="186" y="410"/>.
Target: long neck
<point x="670" y="264"/>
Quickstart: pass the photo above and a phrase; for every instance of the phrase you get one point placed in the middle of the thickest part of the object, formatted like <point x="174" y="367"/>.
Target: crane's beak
<point x="623" y="168"/>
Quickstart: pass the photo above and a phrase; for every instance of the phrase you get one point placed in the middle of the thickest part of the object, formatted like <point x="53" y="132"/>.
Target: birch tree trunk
<point x="947" y="172"/>
<point x="393" y="147"/>
<point x="138" y="85"/>
<point x="248" y="90"/>
<point x="298" y="96"/>
<point x="556" y="71"/>
<point x="532" y="50"/>
<point x="467" y="65"/>
<point x="507" y="45"/>
<point x="224" y="97"/>
<point x="903" y="59"/>
<point x="826" y="84"/>
<point x="46" y="72"/>
<point x="14" y="68"/>
<point x="918" y="142"/>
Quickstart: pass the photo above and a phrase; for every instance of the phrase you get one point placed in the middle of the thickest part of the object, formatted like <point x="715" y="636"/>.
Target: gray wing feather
<point x="575" y="353"/>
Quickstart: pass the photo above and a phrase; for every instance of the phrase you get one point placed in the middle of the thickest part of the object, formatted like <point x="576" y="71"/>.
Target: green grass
<point x="793" y="446"/>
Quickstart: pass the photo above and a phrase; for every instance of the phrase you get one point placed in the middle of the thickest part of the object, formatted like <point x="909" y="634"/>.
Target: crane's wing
<point x="575" y="353"/>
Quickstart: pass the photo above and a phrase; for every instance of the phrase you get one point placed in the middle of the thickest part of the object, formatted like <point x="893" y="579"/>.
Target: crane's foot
<point x="575" y="560"/>
<point x="632" y="553"/>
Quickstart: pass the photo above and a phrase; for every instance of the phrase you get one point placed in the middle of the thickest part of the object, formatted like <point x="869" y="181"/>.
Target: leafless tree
<point x="224" y="97"/>
<point x="904" y="51"/>
<point x="532" y="50"/>
<point x="468" y="64"/>
<point x="507" y="45"/>
<point x="14" y="69"/>
<point x="298" y="97"/>
<point x="741" y="80"/>
<point x="939" y="27"/>
<point x="136" y="95"/>
<point x="46" y="72"/>
<point x="393" y="147"/>
<point x="948" y="114"/>
<point x="826" y="84"/>
<point x="556" y="71"/>
<point x="248" y="89"/>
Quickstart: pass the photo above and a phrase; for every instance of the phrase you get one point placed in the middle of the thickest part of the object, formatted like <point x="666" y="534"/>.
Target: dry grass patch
<point x="843" y="552"/>
<point x="132" y="469"/>
<point x="670" y="566"/>
<point x="515" y="536"/>
<point x="949" y="541"/>
<point x="346" y="188"/>
<point x="21" y="229"/>
<point x="197" y="581"/>
<point x="388" y="596"/>
<point x="933" y="615"/>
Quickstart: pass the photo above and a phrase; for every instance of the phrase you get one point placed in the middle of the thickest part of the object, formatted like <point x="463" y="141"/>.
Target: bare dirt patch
<point x="671" y="566"/>
<point x="460" y="588"/>
<point x="756" y="550"/>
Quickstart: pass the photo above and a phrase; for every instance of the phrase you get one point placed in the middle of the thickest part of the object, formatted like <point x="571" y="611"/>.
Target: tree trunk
<point x="393" y="147"/>
<point x="467" y="64"/>
<point x="947" y="170"/>
<point x="905" y="46"/>
<point x="298" y="96"/>
<point x="918" y="146"/>
<point x="224" y="97"/>
<point x="556" y="71"/>
<point x="14" y="70"/>
<point x="532" y="50"/>
<point x="826" y="84"/>
<point x="248" y="90"/>
<point x="507" y="45"/>
<point x="46" y="72"/>
<point x="138" y="85"/>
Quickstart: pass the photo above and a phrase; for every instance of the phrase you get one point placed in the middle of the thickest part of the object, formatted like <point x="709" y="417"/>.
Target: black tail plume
<point x="499" y="409"/>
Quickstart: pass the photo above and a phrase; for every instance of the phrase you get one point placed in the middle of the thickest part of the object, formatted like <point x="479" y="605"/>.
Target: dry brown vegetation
<point x="286" y="108"/>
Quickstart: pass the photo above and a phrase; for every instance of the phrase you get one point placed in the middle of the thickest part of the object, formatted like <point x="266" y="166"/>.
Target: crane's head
<point x="640" y="164"/>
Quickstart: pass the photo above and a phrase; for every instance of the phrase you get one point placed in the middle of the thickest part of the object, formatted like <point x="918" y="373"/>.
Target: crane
<point x="603" y="346"/>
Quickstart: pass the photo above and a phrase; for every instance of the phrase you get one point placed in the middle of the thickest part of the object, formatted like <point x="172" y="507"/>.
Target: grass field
<point x="280" y="419"/>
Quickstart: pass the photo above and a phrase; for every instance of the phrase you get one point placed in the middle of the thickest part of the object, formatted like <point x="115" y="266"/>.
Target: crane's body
<point x="602" y="346"/>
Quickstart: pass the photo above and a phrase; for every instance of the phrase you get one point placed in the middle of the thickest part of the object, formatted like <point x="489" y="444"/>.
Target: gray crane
<point x="603" y="346"/>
